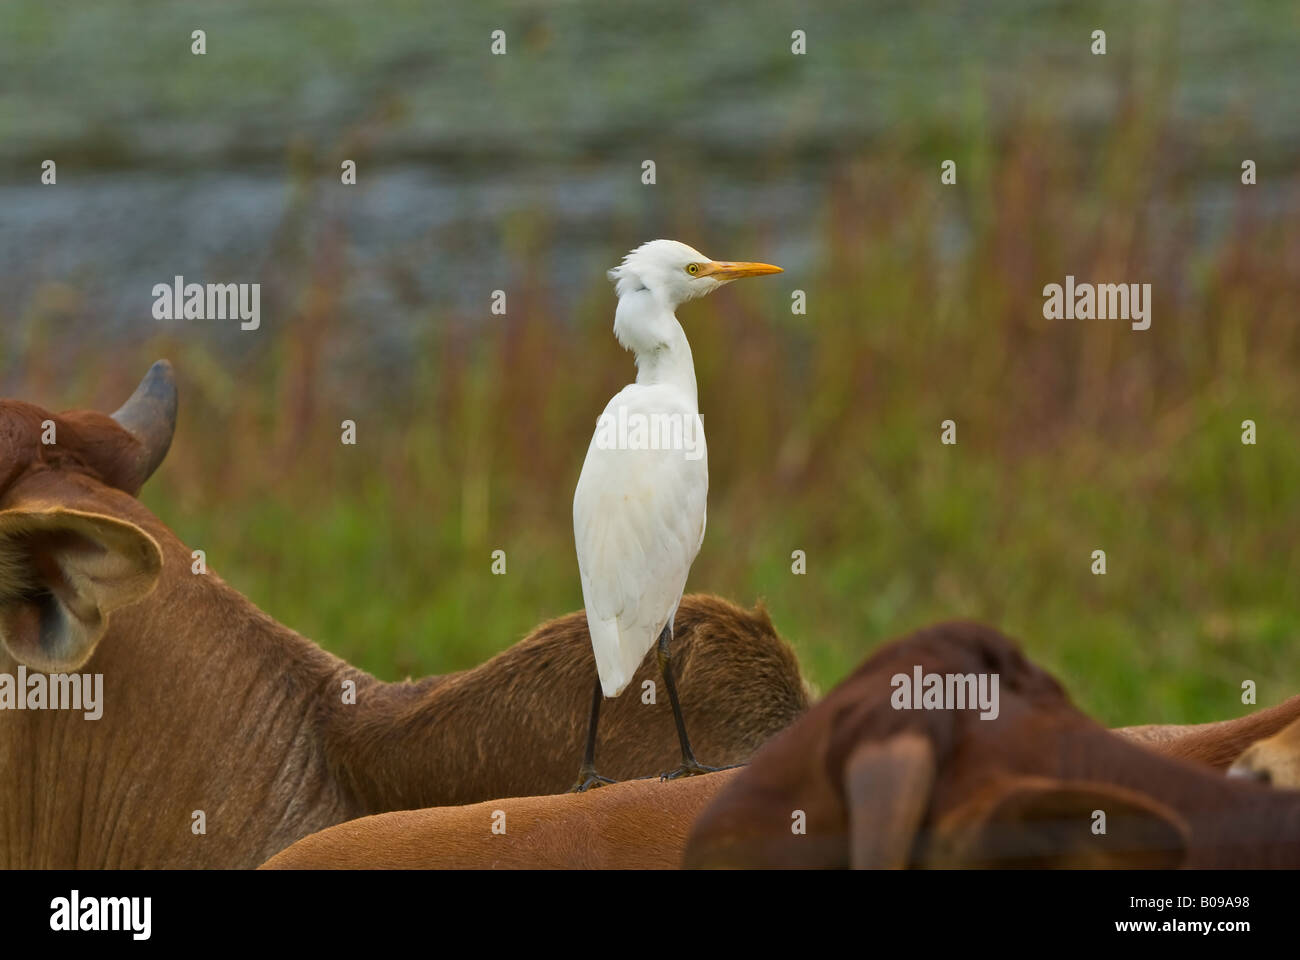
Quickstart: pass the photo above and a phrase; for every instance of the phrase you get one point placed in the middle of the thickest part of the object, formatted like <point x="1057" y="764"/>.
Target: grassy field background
<point x="924" y="304"/>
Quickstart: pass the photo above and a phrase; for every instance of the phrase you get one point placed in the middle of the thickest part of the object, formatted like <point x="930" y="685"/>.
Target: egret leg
<point x="690" y="766"/>
<point x="588" y="778"/>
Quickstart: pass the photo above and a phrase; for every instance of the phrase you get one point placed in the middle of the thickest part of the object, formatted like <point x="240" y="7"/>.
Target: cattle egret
<point x="639" y="509"/>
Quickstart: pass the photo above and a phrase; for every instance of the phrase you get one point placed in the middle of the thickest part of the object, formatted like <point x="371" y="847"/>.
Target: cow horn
<point x="150" y="416"/>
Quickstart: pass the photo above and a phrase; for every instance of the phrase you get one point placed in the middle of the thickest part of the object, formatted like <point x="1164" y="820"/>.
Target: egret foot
<point x="690" y="766"/>
<point x="589" y="779"/>
<point x="693" y="768"/>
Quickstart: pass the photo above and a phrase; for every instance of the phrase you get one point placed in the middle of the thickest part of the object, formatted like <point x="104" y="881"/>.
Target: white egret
<point x="639" y="509"/>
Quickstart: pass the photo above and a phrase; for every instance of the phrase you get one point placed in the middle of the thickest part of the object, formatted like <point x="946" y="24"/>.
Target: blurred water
<point x="418" y="242"/>
<point x="175" y="164"/>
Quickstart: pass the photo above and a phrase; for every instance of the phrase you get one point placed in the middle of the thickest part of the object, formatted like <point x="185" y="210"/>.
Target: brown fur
<point x="210" y="705"/>
<point x="1215" y="744"/>
<point x="635" y="825"/>
<point x="88" y="442"/>
<point x="1018" y="789"/>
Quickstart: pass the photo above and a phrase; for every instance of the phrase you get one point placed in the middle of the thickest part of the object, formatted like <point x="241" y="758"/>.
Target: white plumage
<point x="638" y="522"/>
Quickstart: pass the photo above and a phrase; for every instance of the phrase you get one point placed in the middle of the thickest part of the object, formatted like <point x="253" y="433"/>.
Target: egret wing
<point x="638" y="520"/>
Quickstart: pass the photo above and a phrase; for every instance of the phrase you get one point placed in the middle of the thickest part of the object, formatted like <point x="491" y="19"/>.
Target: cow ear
<point x="62" y="572"/>
<point x="887" y="792"/>
<point x="1043" y="822"/>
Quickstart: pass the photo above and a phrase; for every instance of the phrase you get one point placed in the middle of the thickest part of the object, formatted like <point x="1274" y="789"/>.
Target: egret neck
<point x="650" y="329"/>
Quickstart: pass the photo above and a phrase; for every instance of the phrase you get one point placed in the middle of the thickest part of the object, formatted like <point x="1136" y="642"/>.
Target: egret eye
<point x="693" y="269"/>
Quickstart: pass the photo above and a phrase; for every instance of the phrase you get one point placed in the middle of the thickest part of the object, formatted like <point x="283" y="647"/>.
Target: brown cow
<point x="224" y="736"/>
<point x="873" y="781"/>
<point x="1218" y="743"/>
<point x="634" y="825"/>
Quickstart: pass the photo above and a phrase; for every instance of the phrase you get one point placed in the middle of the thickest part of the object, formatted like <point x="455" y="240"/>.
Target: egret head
<point x="674" y="273"/>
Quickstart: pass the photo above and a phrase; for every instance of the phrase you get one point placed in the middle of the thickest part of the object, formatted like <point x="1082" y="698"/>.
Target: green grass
<point x="1191" y="604"/>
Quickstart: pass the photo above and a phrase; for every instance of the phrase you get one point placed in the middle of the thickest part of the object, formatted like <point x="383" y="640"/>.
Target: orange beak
<point x="734" y="270"/>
